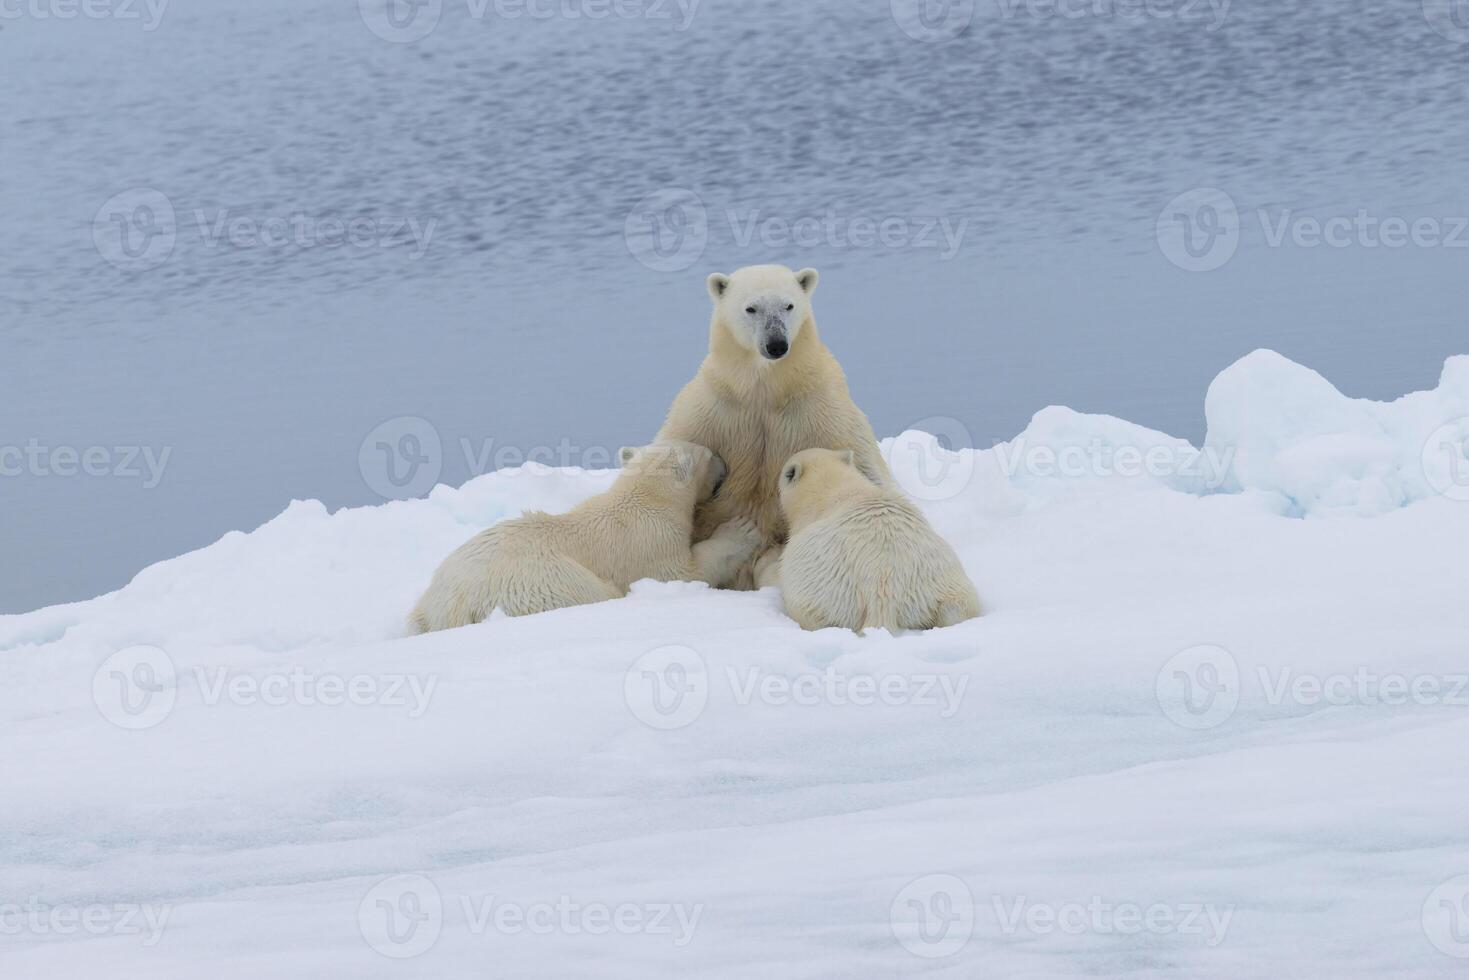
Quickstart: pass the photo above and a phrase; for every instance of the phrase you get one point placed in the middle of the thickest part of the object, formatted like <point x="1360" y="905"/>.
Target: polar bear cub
<point x="862" y="556"/>
<point x="640" y="528"/>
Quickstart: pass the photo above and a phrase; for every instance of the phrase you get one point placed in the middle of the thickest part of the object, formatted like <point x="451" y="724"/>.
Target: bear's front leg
<point x="719" y="559"/>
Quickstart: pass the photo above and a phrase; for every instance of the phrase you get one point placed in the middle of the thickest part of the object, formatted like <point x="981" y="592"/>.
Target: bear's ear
<point x="808" y="278"/>
<point x="848" y="457"/>
<point x="718" y="284"/>
<point x="626" y="454"/>
<point x="792" y="473"/>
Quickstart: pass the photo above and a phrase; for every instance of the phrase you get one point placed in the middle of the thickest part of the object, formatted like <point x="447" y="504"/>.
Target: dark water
<point x="252" y="235"/>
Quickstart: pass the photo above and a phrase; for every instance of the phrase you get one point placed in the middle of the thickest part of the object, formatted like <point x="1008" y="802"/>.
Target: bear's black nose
<point x="776" y="348"/>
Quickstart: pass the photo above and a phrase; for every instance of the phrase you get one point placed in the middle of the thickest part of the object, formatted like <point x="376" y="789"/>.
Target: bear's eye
<point x="790" y="474"/>
<point x="790" y="306"/>
<point x="751" y="309"/>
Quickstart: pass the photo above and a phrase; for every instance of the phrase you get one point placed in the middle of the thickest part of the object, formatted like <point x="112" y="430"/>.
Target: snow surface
<point x="1193" y="736"/>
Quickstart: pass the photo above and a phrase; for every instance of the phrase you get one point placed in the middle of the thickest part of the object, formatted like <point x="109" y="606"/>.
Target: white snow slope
<point x="1213" y="724"/>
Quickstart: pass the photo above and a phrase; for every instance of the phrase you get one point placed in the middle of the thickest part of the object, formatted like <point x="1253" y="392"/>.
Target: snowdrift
<point x="1211" y="725"/>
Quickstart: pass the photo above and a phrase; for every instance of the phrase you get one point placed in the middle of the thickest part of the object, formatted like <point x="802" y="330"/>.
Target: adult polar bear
<point x="768" y="389"/>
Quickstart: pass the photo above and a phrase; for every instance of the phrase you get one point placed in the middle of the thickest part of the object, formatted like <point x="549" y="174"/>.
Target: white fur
<point x="640" y="528"/>
<point x="862" y="556"/>
<point x="756" y="412"/>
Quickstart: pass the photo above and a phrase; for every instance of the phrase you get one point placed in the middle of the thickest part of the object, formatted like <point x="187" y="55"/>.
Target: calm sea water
<point x="246" y="239"/>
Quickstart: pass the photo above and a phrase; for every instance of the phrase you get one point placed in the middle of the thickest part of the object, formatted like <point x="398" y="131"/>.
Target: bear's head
<point x="809" y="479"/>
<point x="680" y="465"/>
<point x="764" y="307"/>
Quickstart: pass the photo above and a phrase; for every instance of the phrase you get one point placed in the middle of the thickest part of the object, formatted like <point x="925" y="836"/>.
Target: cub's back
<point x="874" y="563"/>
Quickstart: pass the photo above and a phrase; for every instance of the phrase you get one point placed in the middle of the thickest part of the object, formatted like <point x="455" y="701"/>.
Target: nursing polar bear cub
<point x="768" y="388"/>
<point x="638" y="529"/>
<point x="862" y="556"/>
